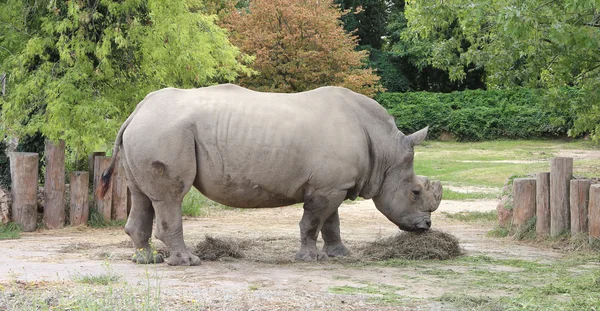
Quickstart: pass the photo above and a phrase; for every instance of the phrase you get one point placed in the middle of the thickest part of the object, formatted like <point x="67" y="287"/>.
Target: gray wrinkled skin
<point x="248" y="149"/>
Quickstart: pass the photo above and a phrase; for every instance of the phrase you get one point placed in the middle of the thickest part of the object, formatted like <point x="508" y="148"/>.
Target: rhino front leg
<point x="317" y="209"/>
<point x="169" y="229"/>
<point x="139" y="227"/>
<point x="331" y="235"/>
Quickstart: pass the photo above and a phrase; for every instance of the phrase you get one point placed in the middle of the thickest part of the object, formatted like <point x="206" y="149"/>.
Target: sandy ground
<point x="267" y="278"/>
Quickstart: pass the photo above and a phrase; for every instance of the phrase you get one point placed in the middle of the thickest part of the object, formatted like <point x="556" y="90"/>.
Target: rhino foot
<point x="335" y="250"/>
<point x="147" y="256"/>
<point x="183" y="258"/>
<point x="308" y="254"/>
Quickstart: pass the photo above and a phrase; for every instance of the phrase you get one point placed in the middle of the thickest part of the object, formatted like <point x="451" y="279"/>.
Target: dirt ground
<point x="267" y="278"/>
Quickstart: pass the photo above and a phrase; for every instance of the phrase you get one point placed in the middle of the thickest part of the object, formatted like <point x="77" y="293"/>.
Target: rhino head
<point x="405" y="198"/>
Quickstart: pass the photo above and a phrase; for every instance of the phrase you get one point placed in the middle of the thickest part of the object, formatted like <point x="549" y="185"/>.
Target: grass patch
<point x="195" y="204"/>
<point x="379" y="293"/>
<point x="99" y="279"/>
<point x="10" y="231"/>
<point x="459" y="196"/>
<point x="472" y="216"/>
<point x="490" y="163"/>
<point x="431" y="244"/>
<point x="96" y="220"/>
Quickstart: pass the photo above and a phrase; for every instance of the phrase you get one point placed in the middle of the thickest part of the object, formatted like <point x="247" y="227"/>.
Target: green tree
<point x="537" y="43"/>
<point x="367" y="19"/>
<point x="78" y="68"/>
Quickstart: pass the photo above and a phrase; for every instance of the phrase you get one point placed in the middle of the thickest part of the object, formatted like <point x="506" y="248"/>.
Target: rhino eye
<point x="416" y="191"/>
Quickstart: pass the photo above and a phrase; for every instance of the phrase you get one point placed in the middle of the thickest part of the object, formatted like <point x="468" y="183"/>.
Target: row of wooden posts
<point x="24" y="177"/>
<point x="560" y="203"/>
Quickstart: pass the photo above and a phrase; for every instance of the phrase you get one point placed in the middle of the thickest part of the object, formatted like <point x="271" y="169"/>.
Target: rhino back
<point x="265" y="149"/>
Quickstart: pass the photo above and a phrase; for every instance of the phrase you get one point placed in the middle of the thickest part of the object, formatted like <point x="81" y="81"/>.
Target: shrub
<point x="477" y="114"/>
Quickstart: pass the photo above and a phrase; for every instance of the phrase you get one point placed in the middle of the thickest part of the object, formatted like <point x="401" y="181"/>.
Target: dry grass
<point x="213" y="248"/>
<point x="413" y="246"/>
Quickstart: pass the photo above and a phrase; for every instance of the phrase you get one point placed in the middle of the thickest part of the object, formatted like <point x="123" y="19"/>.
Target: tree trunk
<point x="561" y="172"/>
<point x="119" y="196"/>
<point x="54" y="185"/>
<point x="542" y="203"/>
<point x="24" y="175"/>
<point x="80" y="209"/>
<point x="523" y="200"/>
<point x="580" y="191"/>
<point x="594" y="213"/>
<point x="92" y="161"/>
<point x="103" y="206"/>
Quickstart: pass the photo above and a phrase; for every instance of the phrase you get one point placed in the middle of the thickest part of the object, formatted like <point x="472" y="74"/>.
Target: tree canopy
<point x="299" y="45"/>
<point x="77" y="68"/>
<point x="550" y="45"/>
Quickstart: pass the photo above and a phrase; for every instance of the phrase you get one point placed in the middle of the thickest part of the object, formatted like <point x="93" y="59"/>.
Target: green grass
<point x="195" y="204"/>
<point x="473" y="216"/>
<point x="10" y="231"/>
<point x="484" y="164"/>
<point x="487" y="283"/>
<point x="99" y="279"/>
<point x="96" y="220"/>
<point x="453" y="195"/>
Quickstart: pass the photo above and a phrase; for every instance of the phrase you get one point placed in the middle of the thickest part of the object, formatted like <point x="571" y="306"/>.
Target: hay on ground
<point x="216" y="248"/>
<point x="414" y="246"/>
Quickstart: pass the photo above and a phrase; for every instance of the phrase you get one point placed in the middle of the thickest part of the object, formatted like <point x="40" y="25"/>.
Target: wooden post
<point x="24" y="176"/>
<point x="54" y="185"/>
<point x="524" y="200"/>
<point x="92" y="161"/>
<point x="580" y="191"/>
<point x="561" y="172"/>
<point x="104" y="205"/>
<point x="594" y="213"/>
<point x="542" y="203"/>
<point x="119" y="195"/>
<point x="80" y="210"/>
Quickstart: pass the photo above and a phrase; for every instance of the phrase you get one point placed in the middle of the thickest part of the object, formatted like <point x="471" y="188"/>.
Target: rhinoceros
<point x="250" y="149"/>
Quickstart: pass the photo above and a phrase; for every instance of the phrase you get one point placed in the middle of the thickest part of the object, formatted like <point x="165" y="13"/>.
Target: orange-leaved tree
<point x="299" y="45"/>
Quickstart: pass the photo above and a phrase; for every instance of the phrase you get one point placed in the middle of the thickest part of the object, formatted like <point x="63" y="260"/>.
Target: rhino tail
<point x="104" y="184"/>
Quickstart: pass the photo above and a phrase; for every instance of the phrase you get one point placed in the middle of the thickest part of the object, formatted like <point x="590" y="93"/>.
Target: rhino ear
<point x="418" y="137"/>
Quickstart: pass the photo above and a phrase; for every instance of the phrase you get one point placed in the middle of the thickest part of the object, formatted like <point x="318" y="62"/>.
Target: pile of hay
<point x="216" y="248"/>
<point x="414" y="246"/>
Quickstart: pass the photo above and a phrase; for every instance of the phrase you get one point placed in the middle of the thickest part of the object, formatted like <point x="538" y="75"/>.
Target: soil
<point x="267" y="278"/>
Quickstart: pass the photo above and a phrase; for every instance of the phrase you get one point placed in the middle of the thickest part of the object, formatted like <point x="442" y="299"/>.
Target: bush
<point x="478" y="115"/>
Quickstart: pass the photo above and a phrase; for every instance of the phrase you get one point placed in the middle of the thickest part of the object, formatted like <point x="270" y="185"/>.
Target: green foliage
<point x="387" y="66"/>
<point x="195" y="204"/>
<point x="539" y="44"/>
<point x="10" y="231"/>
<point x="367" y="19"/>
<point x="77" y="69"/>
<point x="96" y="220"/>
<point x="4" y="167"/>
<point x="477" y="115"/>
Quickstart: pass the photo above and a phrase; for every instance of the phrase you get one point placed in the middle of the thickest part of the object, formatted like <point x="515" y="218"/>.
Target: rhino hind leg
<point x="169" y="229"/>
<point x="139" y="227"/>
<point x="317" y="209"/>
<point x="330" y="232"/>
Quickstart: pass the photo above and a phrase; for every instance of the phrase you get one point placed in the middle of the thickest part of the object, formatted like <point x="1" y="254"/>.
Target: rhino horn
<point x="418" y="137"/>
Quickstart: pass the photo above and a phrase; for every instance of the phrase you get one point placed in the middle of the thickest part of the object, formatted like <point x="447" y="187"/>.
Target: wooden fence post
<point x="580" y="192"/>
<point x="523" y="200"/>
<point x="54" y="185"/>
<point x="542" y="203"/>
<point x="92" y="161"/>
<point x="594" y="213"/>
<point x="24" y="176"/>
<point x="79" y="206"/>
<point x="103" y="206"/>
<point x="119" y="196"/>
<point x="561" y="172"/>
